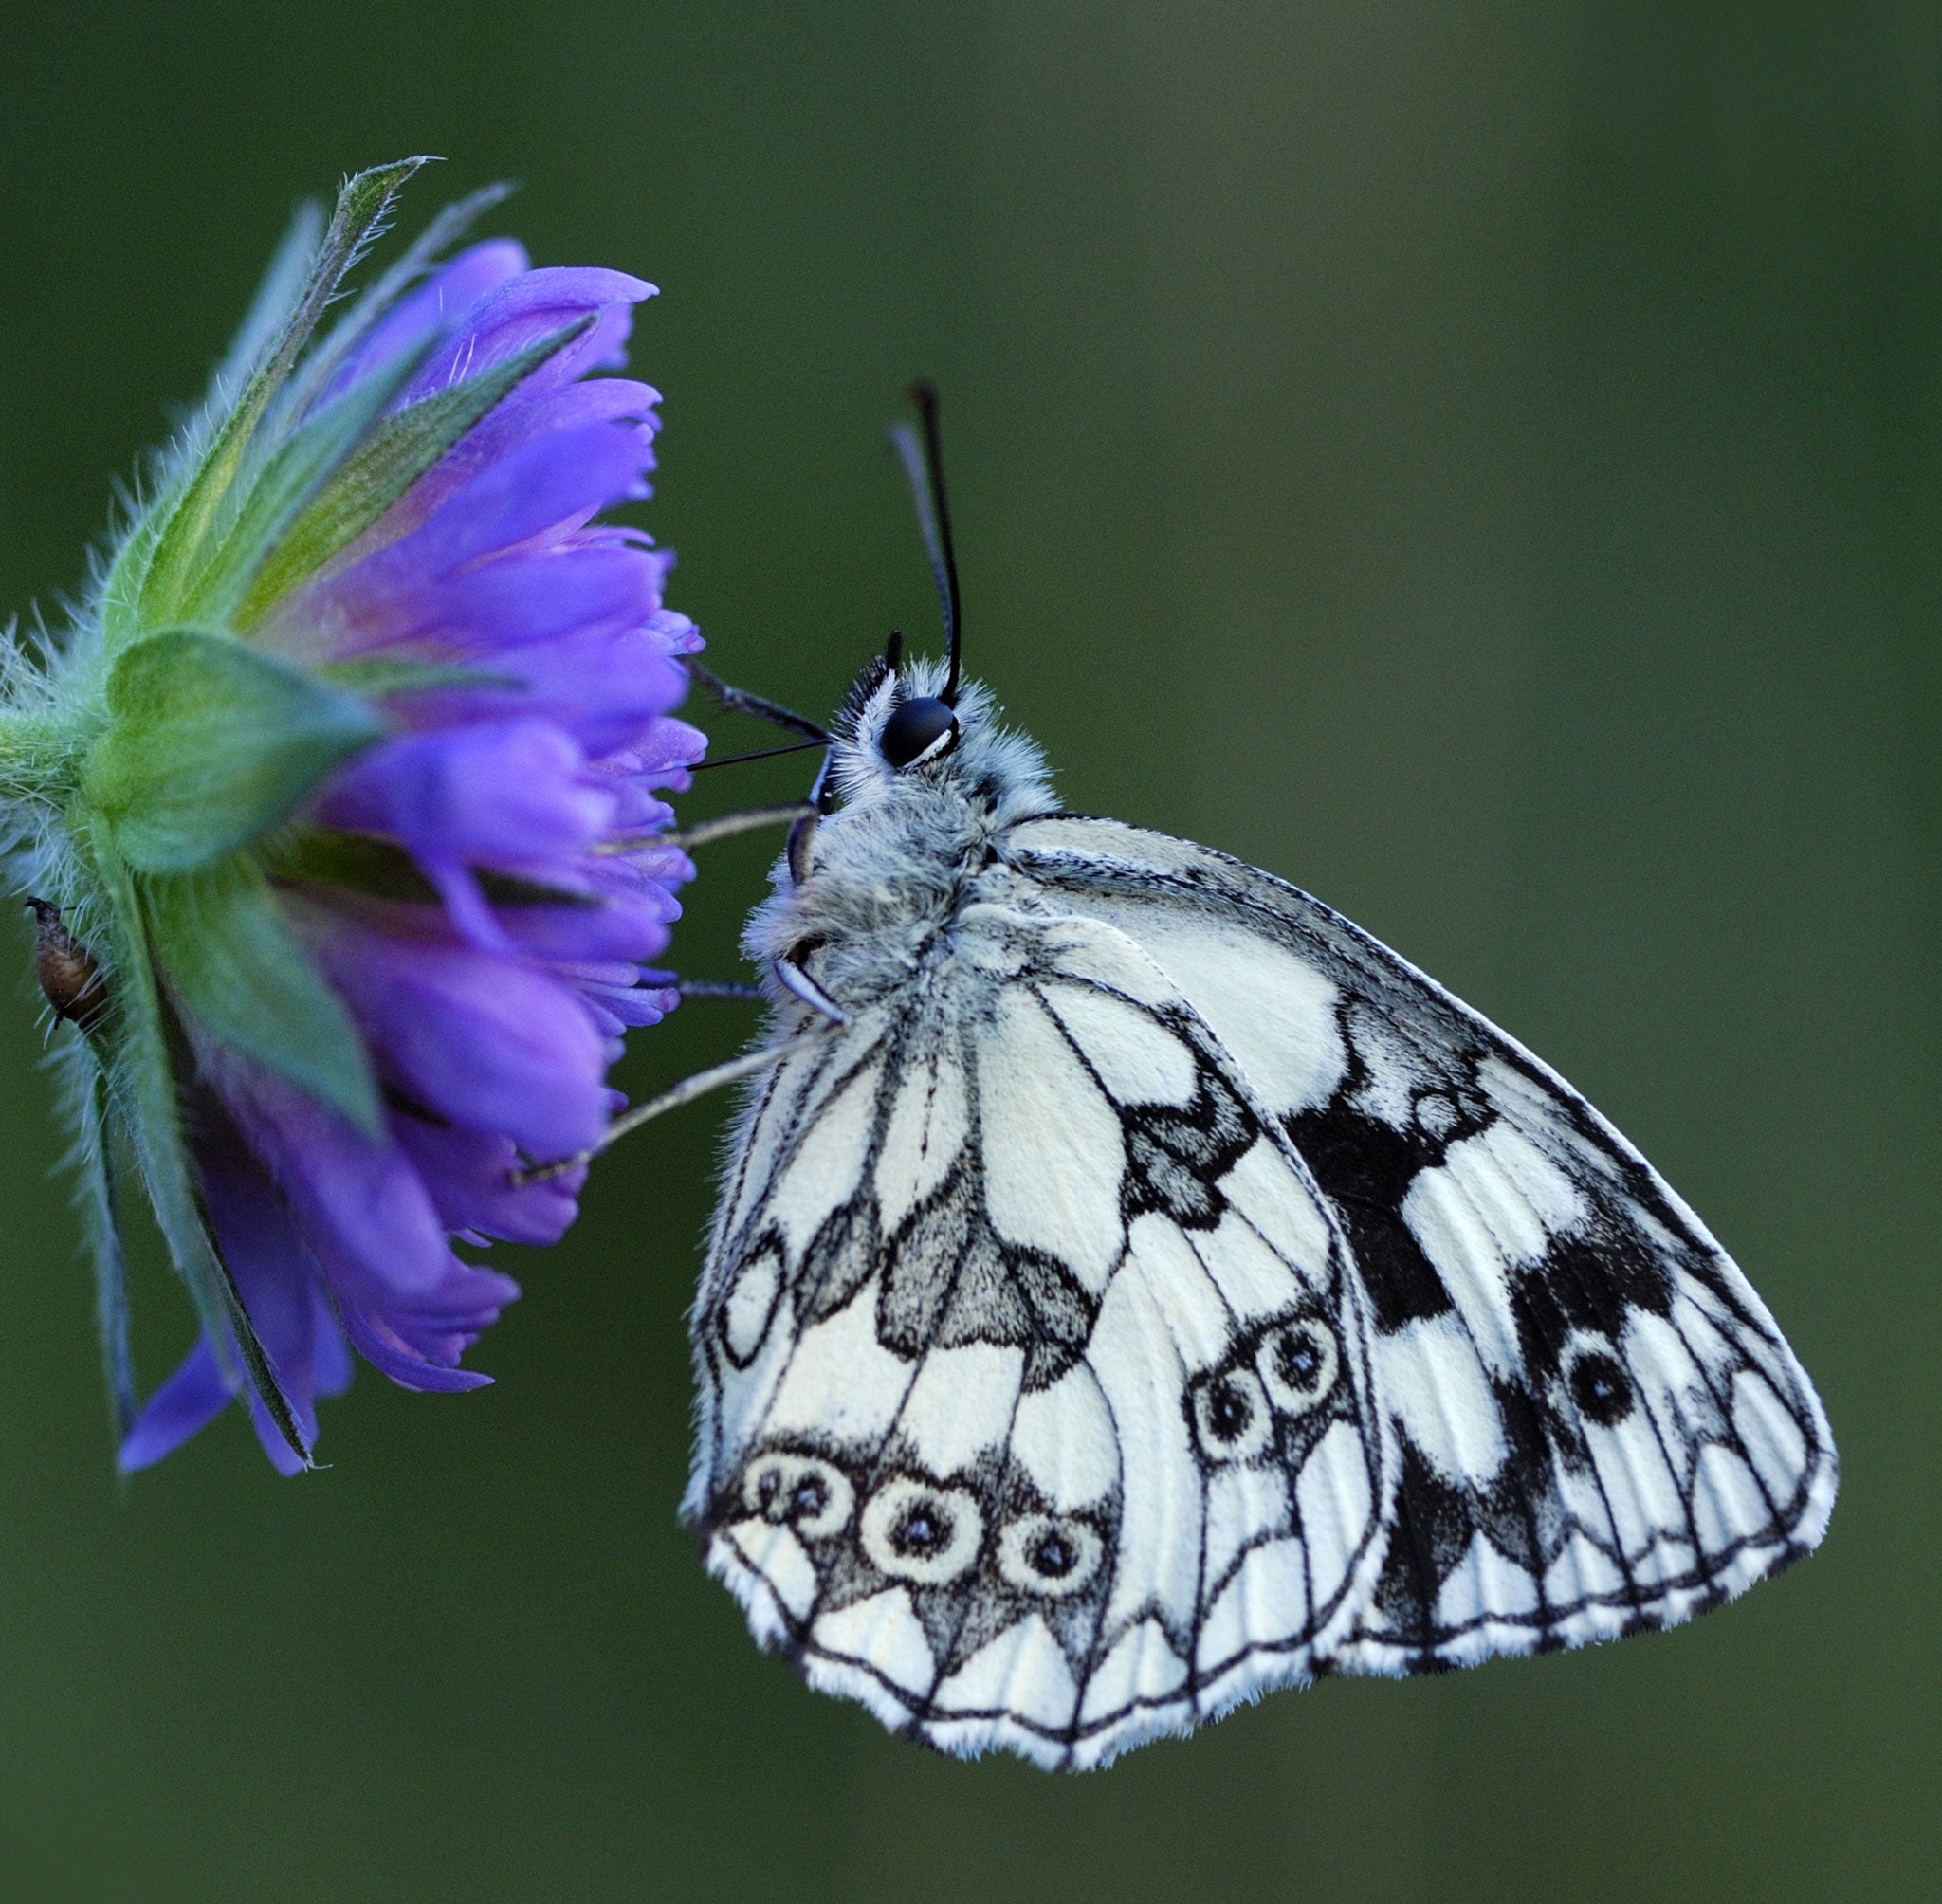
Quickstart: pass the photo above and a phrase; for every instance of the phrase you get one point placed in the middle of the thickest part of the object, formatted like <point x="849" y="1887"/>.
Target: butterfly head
<point x="894" y="728"/>
<point x="898" y="740"/>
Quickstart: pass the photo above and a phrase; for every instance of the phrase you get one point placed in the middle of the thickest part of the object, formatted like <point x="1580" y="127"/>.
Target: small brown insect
<point x="67" y="969"/>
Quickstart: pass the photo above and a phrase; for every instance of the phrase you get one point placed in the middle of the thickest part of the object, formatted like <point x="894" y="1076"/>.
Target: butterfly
<point x="1135" y="1288"/>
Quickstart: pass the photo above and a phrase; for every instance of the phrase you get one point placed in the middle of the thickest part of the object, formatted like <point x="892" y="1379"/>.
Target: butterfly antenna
<point x="761" y="754"/>
<point x="923" y="463"/>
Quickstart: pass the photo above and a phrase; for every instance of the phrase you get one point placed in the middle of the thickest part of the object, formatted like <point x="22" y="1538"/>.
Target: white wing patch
<point x="1437" y="1385"/>
<point x="929" y="1123"/>
<point x="1042" y="1417"/>
<point x="1062" y="1143"/>
<point x="1294" y="1056"/>
<point x="1064" y="1440"/>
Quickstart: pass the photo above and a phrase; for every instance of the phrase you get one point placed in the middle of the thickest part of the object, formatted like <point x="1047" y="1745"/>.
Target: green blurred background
<point x="1482" y="463"/>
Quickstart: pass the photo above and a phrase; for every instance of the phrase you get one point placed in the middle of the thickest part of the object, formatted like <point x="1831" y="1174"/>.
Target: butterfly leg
<point x="698" y="1085"/>
<point x="706" y="833"/>
<point x="740" y="701"/>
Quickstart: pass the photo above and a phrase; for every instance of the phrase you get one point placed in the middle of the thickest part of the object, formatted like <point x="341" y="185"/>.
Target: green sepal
<point x="210" y="744"/>
<point x="144" y="1092"/>
<point x="282" y="492"/>
<point x="175" y="554"/>
<point x="244" y="978"/>
<point x="86" y="1084"/>
<point x="399" y="451"/>
<point x="374" y="869"/>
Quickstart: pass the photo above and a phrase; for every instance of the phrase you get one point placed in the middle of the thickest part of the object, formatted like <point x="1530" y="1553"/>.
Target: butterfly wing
<point x="1037" y="1393"/>
<point x="1601" y="1429"/>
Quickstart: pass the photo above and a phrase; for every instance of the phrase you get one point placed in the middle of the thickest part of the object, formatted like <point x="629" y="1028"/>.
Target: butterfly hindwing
<point x="1037" y="1387"/>
<point x="1599" y="1427"/>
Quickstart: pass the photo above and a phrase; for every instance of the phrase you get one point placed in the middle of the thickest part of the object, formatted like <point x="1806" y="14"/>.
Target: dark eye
<point x="1228" y="1411"/>
<point x="918" y="730"/>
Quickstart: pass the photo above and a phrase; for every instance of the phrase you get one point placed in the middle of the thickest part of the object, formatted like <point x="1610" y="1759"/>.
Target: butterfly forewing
<point x="1599" y="1426"/>
<point x="1038" y="1392"/>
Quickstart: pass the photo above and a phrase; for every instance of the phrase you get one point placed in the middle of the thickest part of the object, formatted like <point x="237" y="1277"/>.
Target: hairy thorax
<point x="889" y="885"/>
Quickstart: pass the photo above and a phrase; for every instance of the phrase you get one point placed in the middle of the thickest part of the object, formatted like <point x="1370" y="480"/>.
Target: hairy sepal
<point x="210" y="744"/>
<point x="84" y="1085"/>
<point x="280" y="495"/>
<point x="142" y="1088"/>
<point x="244" y="978"/>
<point x="149" y="586"/>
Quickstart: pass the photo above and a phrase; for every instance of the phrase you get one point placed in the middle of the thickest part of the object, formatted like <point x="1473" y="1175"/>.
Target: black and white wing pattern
<point x="1038" y="1406"/>
<point x="1599" y="1427"/>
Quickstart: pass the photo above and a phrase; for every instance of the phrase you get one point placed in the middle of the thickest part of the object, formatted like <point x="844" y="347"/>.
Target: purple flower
<point x="456" y="685"/>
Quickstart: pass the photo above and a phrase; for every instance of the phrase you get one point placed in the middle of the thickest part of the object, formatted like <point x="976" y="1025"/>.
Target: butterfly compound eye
<point x="918" y="730"/>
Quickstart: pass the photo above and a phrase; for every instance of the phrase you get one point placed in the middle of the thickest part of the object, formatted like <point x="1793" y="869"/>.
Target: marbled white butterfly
<point x="1134" y="1288"/>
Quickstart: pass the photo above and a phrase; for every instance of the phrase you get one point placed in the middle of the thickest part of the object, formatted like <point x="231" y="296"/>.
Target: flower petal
<point x="527" y="308"/>
<point x="183" y="1406"/>
<point x="454" y="289"/>
<point x="526" y="413"/>
<point x="509" y="793"/>
<point x="624" y="926"/>
<point x="469" y="1175"/>
<point x="367" y="1221"/>
<point x="608" y="686"/>
<point x="479" y="1039"/>
<point x="560" y="478"/>
<point x="391" y="1356"/>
